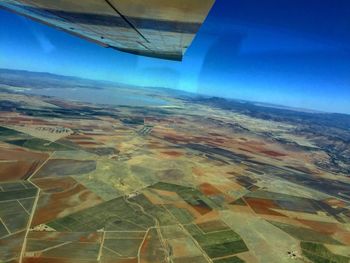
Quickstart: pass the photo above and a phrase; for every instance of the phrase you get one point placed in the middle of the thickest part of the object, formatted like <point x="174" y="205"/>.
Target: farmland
<point x="192" y="180"/>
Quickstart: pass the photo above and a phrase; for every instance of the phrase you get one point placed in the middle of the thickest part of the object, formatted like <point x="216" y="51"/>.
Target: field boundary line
<point x="101" y="247"/>
<point x="113" y="251"/>
<point x="140" y="247"/>
<point x="24" y="245"/>
<point x="8" y="230"/>
<point x="23" y="207"/>
<point x="37" y="169"/>
<point x="58" y="245"/>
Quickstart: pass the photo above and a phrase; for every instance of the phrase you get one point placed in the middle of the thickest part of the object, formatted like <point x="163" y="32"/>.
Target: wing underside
<point x="155" y="28"/>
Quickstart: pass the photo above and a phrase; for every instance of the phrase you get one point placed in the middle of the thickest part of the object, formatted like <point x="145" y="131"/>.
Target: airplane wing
<point x="154" y="28"/>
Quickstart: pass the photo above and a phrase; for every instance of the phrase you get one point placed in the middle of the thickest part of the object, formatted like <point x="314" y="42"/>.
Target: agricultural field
<point x="194" y="180"/>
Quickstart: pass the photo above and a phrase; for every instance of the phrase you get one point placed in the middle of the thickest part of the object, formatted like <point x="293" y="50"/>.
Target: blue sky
<point x="288" y="52"/>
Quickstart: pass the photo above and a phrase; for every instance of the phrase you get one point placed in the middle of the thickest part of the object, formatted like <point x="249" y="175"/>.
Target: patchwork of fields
<point x="189" y="183"/>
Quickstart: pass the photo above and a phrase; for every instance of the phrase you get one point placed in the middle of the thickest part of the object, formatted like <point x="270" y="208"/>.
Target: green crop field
<point x="318" y="253"/>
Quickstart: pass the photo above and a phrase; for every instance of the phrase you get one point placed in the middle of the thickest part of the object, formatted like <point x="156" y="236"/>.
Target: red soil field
<point x="145" y="244"/>
<point x="209" y="189"/>
<point x="273" y="153"/>
<point x="344" y="237"/>
<point x="21" y="163"/>
<point x="330" y="229"/>
<point x="263" y="206"/>
<point x="151" y="250"/>
<point x="322" y="227"/>
<point x="257" y="147"/>
<point x="202" y="209"/>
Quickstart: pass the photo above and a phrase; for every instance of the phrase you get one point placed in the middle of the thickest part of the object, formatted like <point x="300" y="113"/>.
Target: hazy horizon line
<point x="257" y="103"/>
